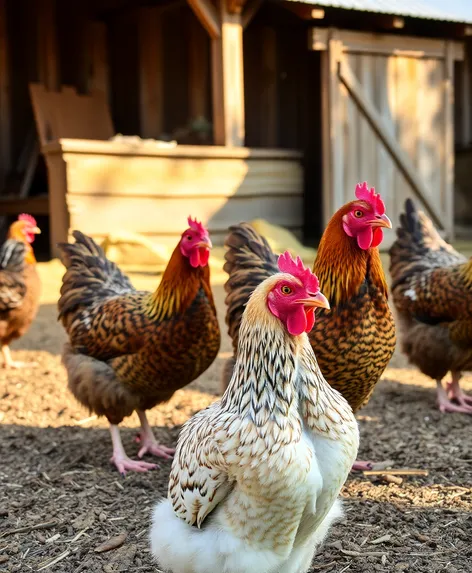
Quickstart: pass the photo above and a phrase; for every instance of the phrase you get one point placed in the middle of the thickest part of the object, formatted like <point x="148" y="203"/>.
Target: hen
<point x="432" y="292"/>
<point x="355" y="339"/>
<point x="130" y="350"/>
<point x="20" y="286"/>
<point x="256" y="475"/>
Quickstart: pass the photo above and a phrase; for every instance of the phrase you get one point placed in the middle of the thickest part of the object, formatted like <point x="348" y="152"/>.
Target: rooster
<point x="355" y="339"/>
<point x="130" y="350"/>
<point x="20" y="286"/>
<point x="256" y="475"/>
<point x="432" y="292"/>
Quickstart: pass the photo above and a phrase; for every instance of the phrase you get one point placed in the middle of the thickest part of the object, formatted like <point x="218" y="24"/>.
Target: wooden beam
<point x="384" y="44"/>
<point x="199" y="69"/>
<point x="235" y="6"/>
<point x="400" y="158"/>
<point x="250" y="10"/>
<point x="208" y="16"/>
<point x="228" y="81"/>
<point x="48" y="56"/>
<point x="448" y="107"/>
<point x="151" y="68"/>
<point x="5" y="112"/>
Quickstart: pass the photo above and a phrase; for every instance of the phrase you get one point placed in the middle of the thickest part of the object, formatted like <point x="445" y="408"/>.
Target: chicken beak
<point x="35" y="230"/>
<point x="382" y="221"/>
<point x="318" y="301"/>
<point x="206" y="244"/>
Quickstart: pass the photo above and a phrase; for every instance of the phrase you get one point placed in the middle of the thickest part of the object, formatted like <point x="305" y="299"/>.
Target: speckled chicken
<point x="130" y="350"/>
<point x="256" y="476"/>
<point x="355" y="339"/>
<point x="432" y="292"/>
<point x="20" y="286"/>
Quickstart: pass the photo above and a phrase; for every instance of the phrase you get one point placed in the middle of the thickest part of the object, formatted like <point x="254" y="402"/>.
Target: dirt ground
<point x="60" y="499"/>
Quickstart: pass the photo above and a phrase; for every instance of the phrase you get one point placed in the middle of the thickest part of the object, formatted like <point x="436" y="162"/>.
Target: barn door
<point x="388" y="120"/>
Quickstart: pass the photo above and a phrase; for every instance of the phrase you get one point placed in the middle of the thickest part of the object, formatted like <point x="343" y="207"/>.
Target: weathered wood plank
<point x="336" y="149"/>
<point x="402" y="160"/>
<point x="5" y="111"/>
<point x="151" y="62"/>
<point x="367" y="139"/>
<point x="351" y="130"/>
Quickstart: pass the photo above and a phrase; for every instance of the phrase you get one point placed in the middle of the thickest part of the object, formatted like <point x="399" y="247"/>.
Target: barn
<point x="119" y="114"/>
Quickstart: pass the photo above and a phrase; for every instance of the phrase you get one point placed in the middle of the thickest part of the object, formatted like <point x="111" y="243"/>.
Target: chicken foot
<point x="121" y="460"/>
<point x="360" y="466"/>
<point x="454" y="399"/>
<point x="149" y="444"/>
<point x="8" y="361"/>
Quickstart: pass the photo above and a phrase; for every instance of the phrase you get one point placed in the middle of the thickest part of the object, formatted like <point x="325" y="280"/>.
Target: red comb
<point x="196" y="226"/>
<point x="26" y="217"/>
<point x="363" y="193"/>
<point x="296" y="268"/>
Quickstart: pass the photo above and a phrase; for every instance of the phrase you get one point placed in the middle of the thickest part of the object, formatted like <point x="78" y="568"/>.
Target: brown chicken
<point x="355" y="339"/>
<point x="20" y="286"/>
<point x="130" y="350"/>
<point x="432" y="292"/>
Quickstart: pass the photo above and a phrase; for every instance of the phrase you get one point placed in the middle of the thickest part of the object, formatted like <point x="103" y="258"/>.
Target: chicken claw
<point x="149" y="444"/>
<point x="359" y="466"/>
<point x="123" y="464"/>
<point x="454" y="400"/>
<point x="121" y="460"/>
<point x="8" y="361"/>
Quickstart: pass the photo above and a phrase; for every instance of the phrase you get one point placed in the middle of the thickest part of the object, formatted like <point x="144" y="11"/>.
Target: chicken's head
<point x="294" y="294"/>
<point x="24" y="229"/>
<point x="365" y="217"/>
<point x="195" y="244"/>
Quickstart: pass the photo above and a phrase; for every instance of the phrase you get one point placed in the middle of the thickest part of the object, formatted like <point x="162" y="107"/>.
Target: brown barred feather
<point x="133" y="349"/>
<point x="432" y="292"/>
<point x="353" y="341"/>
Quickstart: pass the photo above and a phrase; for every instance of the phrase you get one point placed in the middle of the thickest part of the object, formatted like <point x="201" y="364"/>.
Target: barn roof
<point x="442" y="10"/>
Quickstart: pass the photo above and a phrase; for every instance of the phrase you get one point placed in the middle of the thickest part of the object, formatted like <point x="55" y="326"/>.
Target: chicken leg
<point x="8" y="361"/>
<point x="454" y="399"/>
<point x="121" y="460"/>
<point x="149" y="444"/>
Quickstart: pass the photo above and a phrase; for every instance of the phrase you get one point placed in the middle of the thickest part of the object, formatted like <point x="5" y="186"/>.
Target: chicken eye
<point x="358" y="213"/>
<point x="286" y="290"/>
<point x="189" y="237"/>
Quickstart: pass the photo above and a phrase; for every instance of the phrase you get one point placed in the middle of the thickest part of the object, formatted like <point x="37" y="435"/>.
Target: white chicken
<point x="256" y="475"/>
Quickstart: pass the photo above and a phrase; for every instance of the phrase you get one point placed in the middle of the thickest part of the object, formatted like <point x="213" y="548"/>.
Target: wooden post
<point x="226" y="32"/>
<point x="5" y="139"/>
<point x="448" y="106"/>
<point x="151" y="72"/>
<point x="228" y="80"/>
<point x="48" y="61"/>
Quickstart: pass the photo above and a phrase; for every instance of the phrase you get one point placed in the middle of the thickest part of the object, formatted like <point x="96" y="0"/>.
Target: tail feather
<point x="90" y="277"/>
<point x="249" y="261"/>
<point x="418" y="246"/>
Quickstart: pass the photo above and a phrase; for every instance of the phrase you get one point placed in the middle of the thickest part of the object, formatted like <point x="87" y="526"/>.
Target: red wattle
<point x="364" y="238"/>
<point x="195" y="258"/>
<point x="378" y="237"/>
<point x="297" y="321"/>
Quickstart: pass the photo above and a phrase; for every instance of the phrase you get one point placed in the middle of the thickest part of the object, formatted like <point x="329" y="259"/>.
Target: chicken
<point x="256" y="475"/>
<point x="20" y="286"/>
<point x="130" y="350"/>
<point x="432" y="293"/>
<point x="355" y="339"/>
